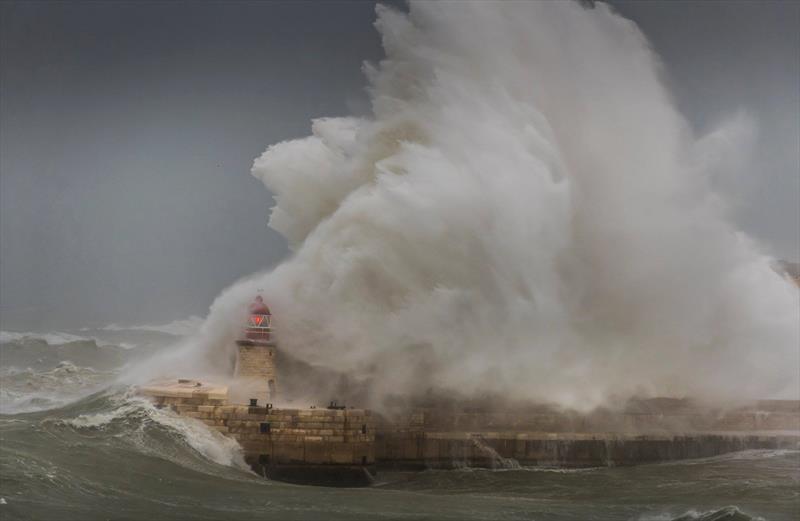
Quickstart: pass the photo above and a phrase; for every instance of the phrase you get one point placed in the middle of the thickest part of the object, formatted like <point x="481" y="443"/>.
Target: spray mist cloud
<point x="525" y="212"/>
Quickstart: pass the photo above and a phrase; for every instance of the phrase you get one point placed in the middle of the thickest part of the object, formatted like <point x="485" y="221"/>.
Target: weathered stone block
<point x="341" y="454"/>
<point x="316" y="451"/>
<point x="289" y="452"/>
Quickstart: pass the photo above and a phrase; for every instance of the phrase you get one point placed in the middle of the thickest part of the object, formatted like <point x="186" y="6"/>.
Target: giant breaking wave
<point x="525" y="212"/>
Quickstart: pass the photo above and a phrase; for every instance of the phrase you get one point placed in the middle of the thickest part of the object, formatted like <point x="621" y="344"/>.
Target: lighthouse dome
<point x="258" y="307"/>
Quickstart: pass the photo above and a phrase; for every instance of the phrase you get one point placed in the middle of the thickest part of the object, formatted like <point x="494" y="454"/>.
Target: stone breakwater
<point x="347" y="446"/>
<point x="646" y="432"/>
<point x="320" y="446"/>
<point x="446" y="450"/>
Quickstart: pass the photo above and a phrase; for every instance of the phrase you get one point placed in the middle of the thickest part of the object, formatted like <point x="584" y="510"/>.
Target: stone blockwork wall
<point x="763" y="416"/>
<point x="430" y="438"/>
<point x="325" y="446"/>
<point x="292" y="436"/>
<point x="418" y="450"/>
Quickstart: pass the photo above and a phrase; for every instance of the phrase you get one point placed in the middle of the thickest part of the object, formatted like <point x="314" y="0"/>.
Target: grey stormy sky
<point x="127" y="131"/>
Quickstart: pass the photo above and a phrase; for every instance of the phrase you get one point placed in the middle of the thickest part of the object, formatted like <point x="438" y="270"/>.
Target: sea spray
<point x="495" y="459"/>
<point x="135" y="415"/>
<point x="525" y="212"/>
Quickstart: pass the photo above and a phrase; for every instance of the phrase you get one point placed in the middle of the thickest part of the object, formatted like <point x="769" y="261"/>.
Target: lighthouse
<point x="255" y="355"/>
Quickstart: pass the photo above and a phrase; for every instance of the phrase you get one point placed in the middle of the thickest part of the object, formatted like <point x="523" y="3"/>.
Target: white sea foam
<point x="209" y="443"/>
<point x="54" y="338"/>
<point x="182" y="327"/>
<point x="99" y="420"/>
<point x="28" y="390"/>
<point x="59" y="338"/>
<point x="729" y="512"/>
<point x="743" y="455"/>
<point x="525" y="212"/>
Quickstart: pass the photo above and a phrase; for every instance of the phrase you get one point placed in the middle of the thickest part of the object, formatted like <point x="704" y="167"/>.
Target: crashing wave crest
<point x="524" y="213"/>
<point x="729" y="513"/>
<point x="53" y="339"/>
<point x="177" y="328"/>
<point x="134" y="414"/>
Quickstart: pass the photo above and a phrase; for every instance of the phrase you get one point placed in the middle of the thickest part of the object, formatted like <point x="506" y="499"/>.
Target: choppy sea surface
<point x="74" y="444"/>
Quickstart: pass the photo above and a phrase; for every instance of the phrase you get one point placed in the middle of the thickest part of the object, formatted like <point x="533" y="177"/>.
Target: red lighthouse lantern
<point x="259" y="327"/>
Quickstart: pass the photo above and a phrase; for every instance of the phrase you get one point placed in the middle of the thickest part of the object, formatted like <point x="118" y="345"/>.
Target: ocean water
<point x="74" y="444"/>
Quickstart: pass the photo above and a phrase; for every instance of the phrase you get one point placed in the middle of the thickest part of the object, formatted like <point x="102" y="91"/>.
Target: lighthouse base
<point x="255" y="375"/>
